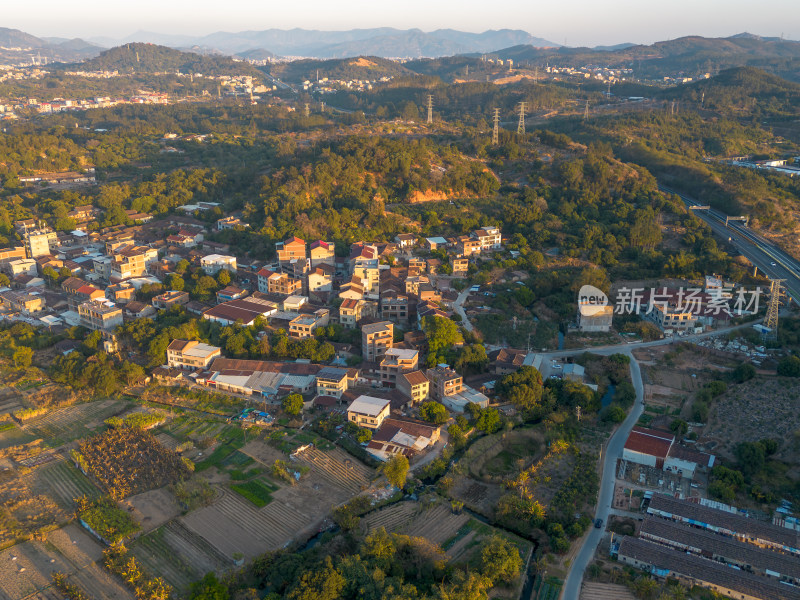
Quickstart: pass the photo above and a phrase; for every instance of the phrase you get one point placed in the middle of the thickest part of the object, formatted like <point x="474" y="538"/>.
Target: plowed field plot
<point x="66" y="424"/>
<point x="480" y="497"/>
<point x="433" y="521"/>
<point x="177" y="554"/>
<point x="15" y="436"/>
<point x="338" y="468"/>
<point x="154" y="508"/>
<point x="234" y="524"/>
<point x="27" y="567"/>
<point x="64" y="482"/>
<point x="27" y="508"/>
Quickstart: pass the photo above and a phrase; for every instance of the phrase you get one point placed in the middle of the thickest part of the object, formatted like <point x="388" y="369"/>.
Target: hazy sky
<point x="579" y="22"/>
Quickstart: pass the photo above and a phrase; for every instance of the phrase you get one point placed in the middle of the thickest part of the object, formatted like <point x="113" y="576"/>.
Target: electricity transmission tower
<point x="308" y="109"/>
<point x="521" y="124"/>
<point x="496" y="128"/>
<point x="771" y="320"/>
<point x="430" y="109"/>
<point x="586" y="111"/>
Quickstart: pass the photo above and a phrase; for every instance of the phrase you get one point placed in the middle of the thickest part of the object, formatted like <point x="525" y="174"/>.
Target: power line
<point x="521" y="124"/>
<point x="496" y="128"/>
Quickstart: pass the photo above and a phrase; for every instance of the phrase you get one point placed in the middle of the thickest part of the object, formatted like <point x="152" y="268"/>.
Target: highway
<point x="770" y="260"/>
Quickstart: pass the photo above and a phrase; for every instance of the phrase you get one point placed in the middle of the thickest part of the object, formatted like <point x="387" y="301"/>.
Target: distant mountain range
<point x="16" y="45"/>
<point x="691" y="56"/>
<point x="383" y="42"/>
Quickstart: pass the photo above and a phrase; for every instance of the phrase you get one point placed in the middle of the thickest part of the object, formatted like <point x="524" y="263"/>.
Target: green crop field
<point x="257" y="491"/>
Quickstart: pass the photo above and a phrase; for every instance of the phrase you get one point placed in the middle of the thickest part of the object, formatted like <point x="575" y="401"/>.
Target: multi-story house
<point x="460" y="265"/>
<point x="169" y="299"/>
<point x="22" y="301"/>
<point x="488" y="237"/>
<point x="270" y="282"/>
<point x="332" y="381"/>
<point x="367" y="411"/>
<point x="122" y="293"/>
<point x="131" y="261"/>
<point x="415" y="386"/>
<point x="444" y="381"/>
<point x="40" y="242"/>
<point x="303" y="326"/>
<point x="394" y="307"/>
<point x="395" y="362"/>
<point x="353" y="289"/>
<point x="191" y="354"/>
<point x="78" y="291"/>
<point x="467" y="246"/>
<point x="320" y="279"/>
<point x="350" y="312"/>
<point x="376" y="339"/>
<point x="322" y="252"/>
<point x="100" y="314"/>
<point x="291" y="249"/>
<point x="214" y="263"/>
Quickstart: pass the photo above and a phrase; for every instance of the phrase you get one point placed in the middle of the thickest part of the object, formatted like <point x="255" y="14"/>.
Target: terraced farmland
<point x="436" y="522"/>
<point x="338" y="468"/>
<point x="178" y="554"/>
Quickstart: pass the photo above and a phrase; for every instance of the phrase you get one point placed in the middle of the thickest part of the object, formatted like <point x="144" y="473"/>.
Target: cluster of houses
<point x="92" y="279"/>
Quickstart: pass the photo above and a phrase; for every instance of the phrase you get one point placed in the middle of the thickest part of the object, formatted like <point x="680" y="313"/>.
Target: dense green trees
<point x="292" y="404"/>
<point x="433" y="412"/>
<point x="396" y="470"/>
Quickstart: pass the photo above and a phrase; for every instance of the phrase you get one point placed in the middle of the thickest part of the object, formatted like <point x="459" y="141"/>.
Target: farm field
<point x="233" y="523"/>
<point x="605" y="591"/>
<point x="177" y="554"/>
<point x="64" y="425"/>
<point x="432" y="518"/>
<point x="754" y="410"/>
<point x="27" y="567"/>
<point x="434" y="521"/>
<point x="15" y="436"/>
<point x="64" y="482"/>
<point x="153" y="508"/>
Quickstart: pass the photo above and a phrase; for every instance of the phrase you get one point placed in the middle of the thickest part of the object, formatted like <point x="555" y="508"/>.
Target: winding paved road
<point x="612" y="451"/>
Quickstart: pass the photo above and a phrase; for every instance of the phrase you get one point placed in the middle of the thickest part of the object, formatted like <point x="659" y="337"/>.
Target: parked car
<point x="598" y="523"/>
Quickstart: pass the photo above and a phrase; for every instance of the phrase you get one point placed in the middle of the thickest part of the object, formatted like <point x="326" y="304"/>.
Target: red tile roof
<point x="650" y="441"/>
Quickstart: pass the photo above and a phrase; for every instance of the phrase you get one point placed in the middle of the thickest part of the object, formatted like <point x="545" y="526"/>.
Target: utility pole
<point x="771" y="320"/>
<point x="521" y="124"/>
<point x="430" y="109"/>
<point x="496" y="128"/>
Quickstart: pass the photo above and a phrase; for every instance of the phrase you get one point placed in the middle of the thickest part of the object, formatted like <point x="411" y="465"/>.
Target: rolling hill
<point x="692" y="56"/>
<point x="362" y="67"/>
<point x="738" y="89"/>
<point x="150" y="58"/>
